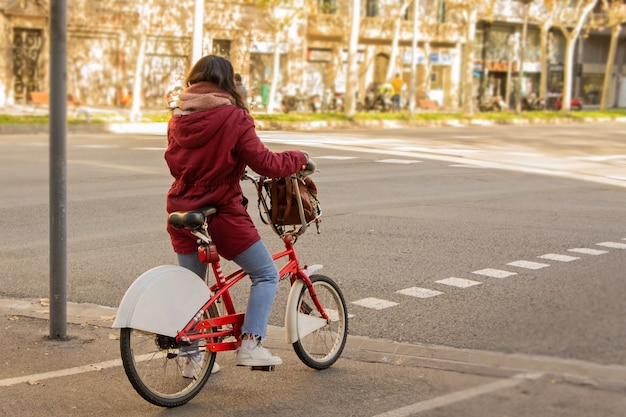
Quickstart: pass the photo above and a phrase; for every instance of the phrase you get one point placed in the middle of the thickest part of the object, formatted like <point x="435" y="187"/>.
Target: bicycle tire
<point x="153" y="365"/>
<point x="321" y="348"/>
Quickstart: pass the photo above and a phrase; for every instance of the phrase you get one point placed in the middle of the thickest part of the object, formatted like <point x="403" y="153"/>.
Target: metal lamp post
<point x="522" y="50"/>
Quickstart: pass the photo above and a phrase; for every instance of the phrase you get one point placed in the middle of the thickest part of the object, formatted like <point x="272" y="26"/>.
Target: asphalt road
<point x="403" y="209"/>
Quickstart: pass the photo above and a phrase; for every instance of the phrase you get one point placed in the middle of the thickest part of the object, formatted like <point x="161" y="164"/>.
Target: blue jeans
<point x="259" y="265"/>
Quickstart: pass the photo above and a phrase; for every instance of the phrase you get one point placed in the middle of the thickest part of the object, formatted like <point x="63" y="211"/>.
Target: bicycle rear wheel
<point x="321" y="348"/>
<point x="154" y="365"/>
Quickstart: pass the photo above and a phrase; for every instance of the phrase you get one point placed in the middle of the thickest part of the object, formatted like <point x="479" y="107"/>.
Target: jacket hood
<point x="202" y="110"/>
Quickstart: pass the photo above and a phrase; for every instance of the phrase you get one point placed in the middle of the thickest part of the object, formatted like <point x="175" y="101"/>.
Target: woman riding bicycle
<point x="211" y="139"/>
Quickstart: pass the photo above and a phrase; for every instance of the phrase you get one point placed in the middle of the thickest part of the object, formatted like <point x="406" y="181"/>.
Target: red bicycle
<point x="168" y="311"/>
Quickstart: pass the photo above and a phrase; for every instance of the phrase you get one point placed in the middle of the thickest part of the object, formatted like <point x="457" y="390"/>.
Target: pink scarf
<point x="203" y="95"/>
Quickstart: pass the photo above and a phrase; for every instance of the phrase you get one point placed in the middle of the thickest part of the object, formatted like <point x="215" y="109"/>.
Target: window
<point x="221" y="47"/>
<point x="327" y="6"/>
<point x="371" y="8"/>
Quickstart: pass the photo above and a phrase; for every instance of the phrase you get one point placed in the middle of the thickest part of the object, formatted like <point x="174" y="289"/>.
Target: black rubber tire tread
<point x="329" y="286"/>
<point x="151" y="395"/>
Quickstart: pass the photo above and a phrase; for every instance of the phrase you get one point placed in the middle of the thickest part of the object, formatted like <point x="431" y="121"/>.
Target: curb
<point x="160" y="128"/>
<point x="365" y="349"/>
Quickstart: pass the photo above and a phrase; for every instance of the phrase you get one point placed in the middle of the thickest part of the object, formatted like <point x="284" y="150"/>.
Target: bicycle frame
<point x="230" y="324"/>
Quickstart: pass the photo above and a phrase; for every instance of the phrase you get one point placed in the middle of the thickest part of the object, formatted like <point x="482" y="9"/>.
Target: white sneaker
<point x="259" y="356"/>
<point x="192" y="364"/>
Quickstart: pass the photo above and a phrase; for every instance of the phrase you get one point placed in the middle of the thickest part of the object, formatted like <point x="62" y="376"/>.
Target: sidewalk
<point x="83" y="376"/>
<point x="116" y="121"/>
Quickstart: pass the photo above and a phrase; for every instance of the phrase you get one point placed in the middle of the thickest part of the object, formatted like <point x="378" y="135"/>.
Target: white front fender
<point x="162" y="300"/>
<point x="299" y="325"/>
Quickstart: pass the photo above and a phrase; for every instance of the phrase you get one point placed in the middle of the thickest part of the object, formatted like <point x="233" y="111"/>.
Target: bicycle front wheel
<point x="321" y="348"/>
<point x="163" y="372"/>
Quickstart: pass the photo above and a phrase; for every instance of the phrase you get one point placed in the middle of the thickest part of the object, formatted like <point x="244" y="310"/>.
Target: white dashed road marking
<point x="559" y="258"/>
<point x="494" y="273"/>
<point x="588" y="251"/>
<point x="528" y="264"/>
<point x="419" y="292"/>
<point x="375" y="303"/>
<point x="614" y="245"/>
<point x="458" y="282"/>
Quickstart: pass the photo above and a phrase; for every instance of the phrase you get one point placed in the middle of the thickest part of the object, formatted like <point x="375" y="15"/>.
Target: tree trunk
<point x="468" y="102"/>
<point x="543" y="85"/>
<point x="394" y="49"/>
<point x="568" y="67"/>
<point x="412" y="87"/>
<point x="608" y="72"/>
<point x="352" y="74"/>
<point x="275" y="73"/>
<point x="135" y="111"/>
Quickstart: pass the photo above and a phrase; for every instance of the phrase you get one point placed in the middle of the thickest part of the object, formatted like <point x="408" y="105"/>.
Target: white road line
<point x="149" y="149"/>
<point x="62" y="372"/>
<point x="375" y="303"/>
<point x="462" y="395"/>
<point x="588" y="251"/>
<point x="528" y="264"/>
<point x="419" y="292"/>
<point x="397" y="161"/>
<point x="599" y="158"/>
<point x="435" y="150"/>
<point x="338" y="158"/>
<point x="494" y="273"/>
<point x="95" y="146"/>
<point x="559" y="258"/>
<point x="466" y="166"/>
<point x="614" y="245"/>
<point x="458" y="282"/>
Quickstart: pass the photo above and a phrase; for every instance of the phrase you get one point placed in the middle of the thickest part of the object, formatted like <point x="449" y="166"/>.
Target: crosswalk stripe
<point x="528" y="264"/>
<point x="494" y="273"/>
<point x="419" y="292"/>
<point x="375" y="303"/>
<point x="458" y="282"/>
<point x="557" y="257"/>
<point x="588" y="251"/>
<point x="614" y="245"/>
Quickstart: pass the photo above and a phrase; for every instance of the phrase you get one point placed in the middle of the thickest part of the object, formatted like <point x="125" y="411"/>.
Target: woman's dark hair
<point x="219" y="71"/>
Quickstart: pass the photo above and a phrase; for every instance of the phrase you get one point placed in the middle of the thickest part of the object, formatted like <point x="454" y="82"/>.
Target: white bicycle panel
<point x="162" y="300"/>
<point x="300" y="325"/>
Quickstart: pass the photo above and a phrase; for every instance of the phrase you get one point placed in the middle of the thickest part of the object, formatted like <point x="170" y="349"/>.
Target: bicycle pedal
<point x="266" y="368"/>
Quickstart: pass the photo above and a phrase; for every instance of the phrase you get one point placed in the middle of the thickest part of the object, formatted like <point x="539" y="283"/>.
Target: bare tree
<point x="397" y="13"/>
<point x="279" y="15"/>
<point x="615" y="17"/>
<point x="469" y="11"/>
<point x="545" y="14"/>
<point x="352" y="74"/>
<point x="572" y="17"/>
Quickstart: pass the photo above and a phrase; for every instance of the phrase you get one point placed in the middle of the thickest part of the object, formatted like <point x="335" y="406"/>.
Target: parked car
<point x="575" y="103"/>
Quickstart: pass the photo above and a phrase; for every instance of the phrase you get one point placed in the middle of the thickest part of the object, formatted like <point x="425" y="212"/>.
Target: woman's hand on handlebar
<point x="309" y="167"/>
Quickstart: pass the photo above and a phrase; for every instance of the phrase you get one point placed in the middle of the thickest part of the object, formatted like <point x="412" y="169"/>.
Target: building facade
<point x="108" y="41"/>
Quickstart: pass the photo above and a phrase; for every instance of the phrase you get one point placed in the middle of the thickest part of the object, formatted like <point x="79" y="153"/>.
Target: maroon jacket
<point x="207" y="153"/>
